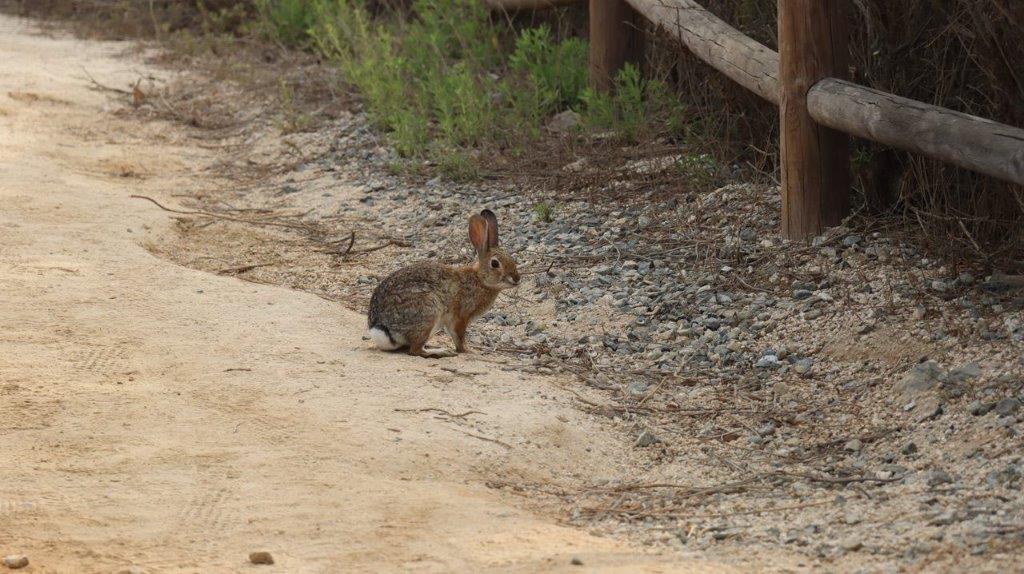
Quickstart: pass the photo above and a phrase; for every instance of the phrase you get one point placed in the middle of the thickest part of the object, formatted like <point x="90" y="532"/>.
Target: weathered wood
<point x="511" y="5"/>
<point x="968" y="141"/>
<point x="725" y="48"/>
<point x="615" y="38"/>
<point x="814" y="160"/>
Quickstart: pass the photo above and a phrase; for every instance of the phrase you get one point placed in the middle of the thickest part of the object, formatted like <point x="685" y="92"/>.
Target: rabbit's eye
<point x="495" y="264"/>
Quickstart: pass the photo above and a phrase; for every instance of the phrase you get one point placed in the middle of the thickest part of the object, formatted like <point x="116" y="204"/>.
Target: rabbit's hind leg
<point x="417" y="348"/>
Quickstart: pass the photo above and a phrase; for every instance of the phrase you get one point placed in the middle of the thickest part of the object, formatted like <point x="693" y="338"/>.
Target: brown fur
<point x="411" y="302"/>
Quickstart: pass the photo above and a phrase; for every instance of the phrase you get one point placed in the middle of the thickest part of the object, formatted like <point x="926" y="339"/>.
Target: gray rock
<point x="978" y="408"/>
<point x="853" y="445"/>
<point x="851" y="544"/>
<point x="922" y="379"/>
<point x="646" y="438"/>
<point x="908" y="449"/>
<point x="938" y="478"/>
<point x="1001" y="282"/>
<point x="944" y="518"/>
<point x="767" y="362"/>
<point x="1008" y="477"/>
<point x="927" y="408"/>
<point x="965" y="373"/>
<point x="563" y="122"/>
<point x="851" y="240"/>
<point x="803" y="366"/>
<point x="1007" y="406"/>
<point x="637" y="389"/>
<point x="866" y="328"/>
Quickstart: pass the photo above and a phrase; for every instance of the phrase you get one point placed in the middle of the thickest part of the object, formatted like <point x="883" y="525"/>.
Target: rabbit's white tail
<point x="383" y="339"/>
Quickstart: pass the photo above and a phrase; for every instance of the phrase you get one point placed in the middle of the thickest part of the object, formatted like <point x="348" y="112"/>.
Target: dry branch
<point x="440" y="411"/>
<point x="222" y="217"/>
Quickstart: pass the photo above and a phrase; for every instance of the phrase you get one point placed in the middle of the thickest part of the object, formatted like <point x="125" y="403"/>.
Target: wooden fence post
<point x="614" y="40"/>
<point x="815" y="161"/>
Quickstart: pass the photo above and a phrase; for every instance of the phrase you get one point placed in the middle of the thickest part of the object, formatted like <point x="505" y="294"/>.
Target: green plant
<point x="462" y="106"/>
<point x="543" y="212"/>
<point x="456" y="164"/>
<point x="217" y="19"/>
<point x="429" y="76"/>
<point x="454" y="30"/>
<point x="699" y="170"/>
<point x="556" y="73"/>
<point x="293" y="119"/>
<point x="436" y="80"/>
<point x="287" y="21"/>
<point x="635" y="108"/>
<point x="409" y="131"/>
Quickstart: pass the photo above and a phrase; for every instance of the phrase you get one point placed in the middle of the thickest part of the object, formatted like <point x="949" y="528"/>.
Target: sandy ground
<point x="176" y="421"/>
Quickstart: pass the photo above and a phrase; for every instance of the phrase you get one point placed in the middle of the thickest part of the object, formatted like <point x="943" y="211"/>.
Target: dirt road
<point x="161" y="417"/>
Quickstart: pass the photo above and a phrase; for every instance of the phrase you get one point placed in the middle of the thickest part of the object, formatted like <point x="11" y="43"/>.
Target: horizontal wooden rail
<point x="964" y="140"/>
<point x="748" y="62"/>
<point x="968" y="141"/>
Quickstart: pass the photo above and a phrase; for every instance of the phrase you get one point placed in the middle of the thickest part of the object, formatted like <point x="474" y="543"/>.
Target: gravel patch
<point x="853" y="399"/>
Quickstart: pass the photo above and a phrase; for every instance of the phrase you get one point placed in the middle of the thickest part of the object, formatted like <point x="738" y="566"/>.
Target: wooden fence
<point x="818" y="108"/>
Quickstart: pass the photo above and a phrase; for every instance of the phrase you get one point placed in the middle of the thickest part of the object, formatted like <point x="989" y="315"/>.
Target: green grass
<point x="543" y="212"/>
<point x="445" y="79"/>
<point x="287" y="21"/>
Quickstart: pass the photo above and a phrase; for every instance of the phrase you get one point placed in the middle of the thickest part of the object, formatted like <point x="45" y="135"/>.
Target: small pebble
<point x="646" y="438"/>
<point x="851" y="544"/>
<point x="851" y="240"/>
<point x="978" y="408"/>
<point x="15" y="561"/>
<point x="938" y="478"/>
<point x="261" y="558"/>
<point x="576" y="561"/>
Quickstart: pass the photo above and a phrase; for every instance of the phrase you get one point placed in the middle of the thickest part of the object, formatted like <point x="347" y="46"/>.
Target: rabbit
<point x="412" y="303"/>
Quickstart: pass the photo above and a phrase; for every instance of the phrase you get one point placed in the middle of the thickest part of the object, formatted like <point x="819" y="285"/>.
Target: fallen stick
<point x="223" y="217"/>
<point x="103" y="87"/>
<point x="244" y="268"/>
<point x="494" y="440"/>
<point x="442" y="411"/>
<point x="467" y="374"/>
<point x="838" y="480"/>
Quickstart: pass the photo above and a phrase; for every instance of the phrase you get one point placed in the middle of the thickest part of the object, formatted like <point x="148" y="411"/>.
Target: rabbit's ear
<point x="492" y="227"/>
<point x="478" y="234"/>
